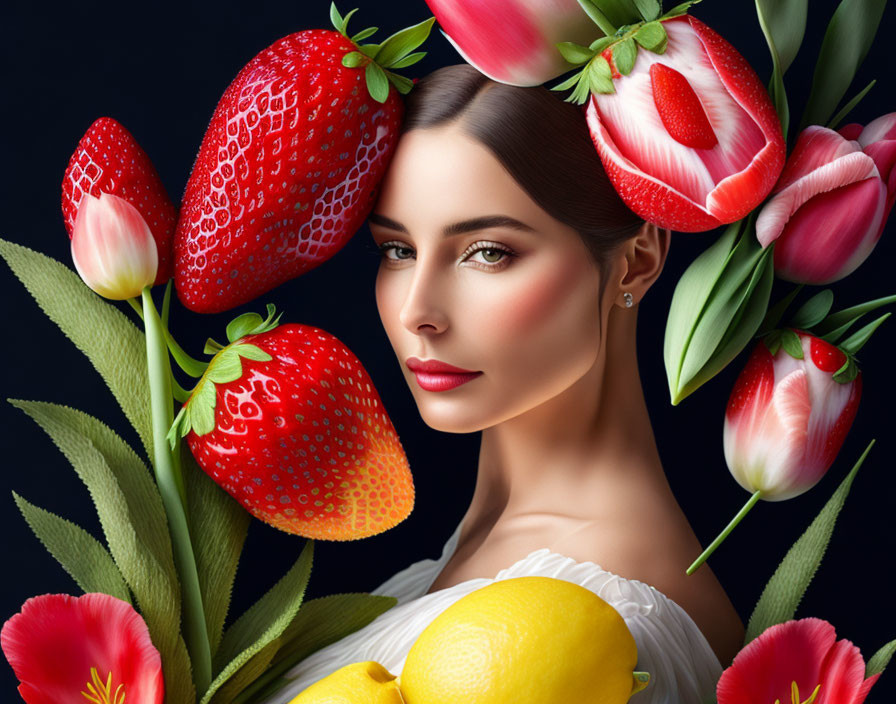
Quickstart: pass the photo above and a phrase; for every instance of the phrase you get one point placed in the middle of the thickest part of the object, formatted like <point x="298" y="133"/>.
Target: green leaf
<point x="813" y="311"/>
<point x="377" y="83"/>
<point x="408" y="60"/>
<point x="790" y="341"/>
<point x="776" y="312"/>
<point x="600" y="76"/>
<point x="253" y="352"/>
<point x="344" y="28"/>
<point x="601" y="43"/>
<point x="335" y="17"/>
<point x="848" y="108"/>
<point x="227" y="367"/>
<point x="370" y="50"/>
<point x="880" y="659"/>
<point x="773" y="341"/>
<point x="846" y="373"/>
<point x="832" y="327"/>
<point x="134" y="524"/>
<point x="619" y="12"/>
<point x="569" y="82"/>
<point x="624" y="55"/>
<point x="689" y="301"/>
<point x="262" y="623"/>
<point x="353" y="59"/>
<point x="319" y="623"/>
<point x="364" y="33"/>
<point x="201" y="408"/>
<point x="846" y="43"/>
<point x="403" y="42"/>
<point x="857" y="340"/>
<point x="598" y="17"/>
<point x="784" y="591"/>
<point x="679" y="10"/>
<point x="402" y="85"/>
<point x="114" y="345"/>
<point x="649" y="9"/>
<point x="247" y="674"/>
<point x="652" y="36"/>
<point x="79" y="553"/>
<point x="218" y="528"/>
<point x="784" y="24"/>
<point x="575" y="54"/>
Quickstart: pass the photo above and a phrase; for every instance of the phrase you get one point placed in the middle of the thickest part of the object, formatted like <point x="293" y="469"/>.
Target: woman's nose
<point x="424" y="306"/>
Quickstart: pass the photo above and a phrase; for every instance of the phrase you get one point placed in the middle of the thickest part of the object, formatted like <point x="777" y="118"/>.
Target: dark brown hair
<point x="542" y="141"/>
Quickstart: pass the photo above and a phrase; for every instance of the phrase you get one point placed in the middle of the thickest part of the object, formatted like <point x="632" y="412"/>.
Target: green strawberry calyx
<point x="198" y="413"/>
<point x="597" y="73"/>
<point x="377" y="59"/>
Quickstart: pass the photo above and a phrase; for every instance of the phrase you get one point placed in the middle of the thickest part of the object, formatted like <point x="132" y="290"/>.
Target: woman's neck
<point x="571" y="454"/>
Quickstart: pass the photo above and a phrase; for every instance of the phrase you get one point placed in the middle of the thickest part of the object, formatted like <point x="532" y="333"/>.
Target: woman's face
<point x="515" y="302"/>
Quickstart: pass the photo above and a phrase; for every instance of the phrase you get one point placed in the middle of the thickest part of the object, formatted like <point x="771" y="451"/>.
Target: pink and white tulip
<point x="113" y="247"/>
<point x="831" y="203"/>
<point x="690" y="138"/>
<point x="514" y="41"/>
<point x="787" y="418"/>
<point x="91" y="648"/>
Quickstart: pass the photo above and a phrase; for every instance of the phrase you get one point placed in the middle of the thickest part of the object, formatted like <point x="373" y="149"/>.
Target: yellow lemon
<point x="358" y="683"/>
<point x="527" y="640"/>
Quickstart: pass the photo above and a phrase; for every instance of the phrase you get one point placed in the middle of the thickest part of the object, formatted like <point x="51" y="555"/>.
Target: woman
<point x="509" y="260"/>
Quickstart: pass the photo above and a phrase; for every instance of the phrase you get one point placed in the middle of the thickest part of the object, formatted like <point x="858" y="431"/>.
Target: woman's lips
<point x="442" y="381"/>
<point x="435" y="375"/>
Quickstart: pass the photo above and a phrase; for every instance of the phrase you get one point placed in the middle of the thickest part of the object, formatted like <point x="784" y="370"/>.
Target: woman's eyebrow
<point x="479" y="223"/>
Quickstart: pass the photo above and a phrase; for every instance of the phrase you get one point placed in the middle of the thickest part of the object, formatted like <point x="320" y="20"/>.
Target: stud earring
<point x="629" y="299"/>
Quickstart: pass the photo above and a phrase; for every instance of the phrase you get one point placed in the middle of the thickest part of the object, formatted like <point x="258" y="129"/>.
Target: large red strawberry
<point x="109" y="160"/>
<point x="288" y="422"/>
<point x="288" y="168"/>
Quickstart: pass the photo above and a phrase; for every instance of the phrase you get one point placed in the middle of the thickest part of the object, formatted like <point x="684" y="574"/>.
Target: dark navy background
<point x="159" y="68"/>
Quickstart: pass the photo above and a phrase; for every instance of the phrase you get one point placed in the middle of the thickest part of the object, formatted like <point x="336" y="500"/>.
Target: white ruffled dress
<point x="683" y="667"/>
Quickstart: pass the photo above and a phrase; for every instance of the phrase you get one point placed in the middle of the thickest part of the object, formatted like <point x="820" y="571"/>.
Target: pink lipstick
<point x="433" y="375"/>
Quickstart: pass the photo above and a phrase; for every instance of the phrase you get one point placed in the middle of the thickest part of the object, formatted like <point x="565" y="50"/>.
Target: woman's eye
<point x="400" y="252"/>
<point x="492" y="254"/>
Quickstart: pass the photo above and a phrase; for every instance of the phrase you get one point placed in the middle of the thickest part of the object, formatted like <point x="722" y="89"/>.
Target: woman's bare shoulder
<point x="657" y="551"/>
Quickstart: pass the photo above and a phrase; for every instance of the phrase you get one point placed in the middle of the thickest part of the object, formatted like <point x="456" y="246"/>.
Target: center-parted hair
<point x="542" y="141"/>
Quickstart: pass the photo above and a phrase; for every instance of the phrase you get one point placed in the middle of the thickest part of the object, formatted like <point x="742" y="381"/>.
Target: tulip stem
<point x="724" y="534"/>
<point x="169" y="478"/>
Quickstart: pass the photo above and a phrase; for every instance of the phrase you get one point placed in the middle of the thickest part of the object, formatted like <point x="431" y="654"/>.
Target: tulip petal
<point x="787" y="652"/>
<point x="842" y="672"/>
<point x="850" y="131"/>
<point x="755" y="133"/>
<point x="832" y="233"/>
<point x="866" y="687"/>
<point x="815" y="147"/>
<point x="884" y="127"/>
<point x="56" y="638"/>
<point x="775" y="215"/>
<point x="884" y="156"/>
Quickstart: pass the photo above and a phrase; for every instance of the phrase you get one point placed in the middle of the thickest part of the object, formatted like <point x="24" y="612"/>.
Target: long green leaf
<point x="836" y="324"/>
<point x="784" y="25"/>
<point x="246" y="675"/>
<point x="880" y="659"/>
<point x="784" y="591"/>
<point x="403" y="42"/>
<point x="619" y="12"/>
<point x="319" y="623"/>
<point x="218" y="528"/>
<point x="263" y="622"/>
<point x="813" y="311"/>
<point x="689" y="301"/>
<point x="857" y="340"/>
<point x="848" y="108"/>
<point x="846" y="43"/>
<point x="153" y="581"/>
<point x="79" y="553"/>
<point x="113" y="344"/>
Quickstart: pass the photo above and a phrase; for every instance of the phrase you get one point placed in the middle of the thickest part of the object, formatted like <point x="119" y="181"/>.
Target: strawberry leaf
<point x="813" y="311"/>
<point x="364" y="33"/>
<point x="600" y="76"/>
<point x="201" y="408"/>
<point x="569" y="82"/>
<point x="601" y="43"/>
<point x="335" y="17"/>
<point x="241" y="326"/>
<point x="353" y="59"/>
<point x="227" y="368"/>
<point x="790" y="341"/>
<point x="652" y="36"/>
<point x="679" y="10"/>
<point x="403" y="42"/>
<point x="624" y="55"/>
<point x="857" y="340"/>
<point x="252" y="352"/>
<point x="370" y="50"/>
<point x="847" y="373"/>
<point x="409" y="60"/>
<point x="576" y="54"/>
<point x="402" y="85"/>
<point x="772" y="341"/>
<point x="377" y="82"/>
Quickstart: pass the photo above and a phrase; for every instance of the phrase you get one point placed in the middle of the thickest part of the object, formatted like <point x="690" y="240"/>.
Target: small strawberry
<point x="109" y="160"/>
<point x="288" y="422"/>
<point x="288" y="168"/>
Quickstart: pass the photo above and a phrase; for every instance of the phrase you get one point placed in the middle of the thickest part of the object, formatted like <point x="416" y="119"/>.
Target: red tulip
<point x="514" y="41"/>
<point x="689" y="138"/>
<point x="789" y="661"/>
<point x="92" y="648"/>
<point x="787" y="418"/>
<point x="830" y="205"/>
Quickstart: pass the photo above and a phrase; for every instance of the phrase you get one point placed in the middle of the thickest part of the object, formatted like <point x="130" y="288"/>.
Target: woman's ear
<point x="642" y="260"/>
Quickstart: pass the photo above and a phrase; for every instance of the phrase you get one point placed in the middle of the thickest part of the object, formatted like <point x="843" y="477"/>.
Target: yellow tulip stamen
<point x="795" y="694"/>
<point x="101" y="692"/>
